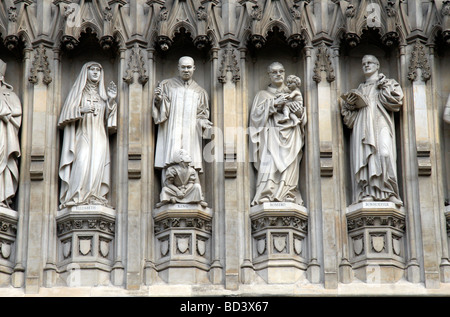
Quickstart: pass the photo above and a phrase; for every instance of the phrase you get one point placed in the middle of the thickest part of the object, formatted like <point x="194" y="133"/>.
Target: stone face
<point x="273" y="201"/>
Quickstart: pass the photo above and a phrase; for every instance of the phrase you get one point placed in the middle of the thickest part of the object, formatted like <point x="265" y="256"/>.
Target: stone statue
<point x="276" y="142"/>
<point x="368" y="111"/>
<point x="88" y="114"/>
<point x="11" y="118"/>
<point x="181" y="184"/>
<point x="181" y="109"/>
<point x="447" y="111"/>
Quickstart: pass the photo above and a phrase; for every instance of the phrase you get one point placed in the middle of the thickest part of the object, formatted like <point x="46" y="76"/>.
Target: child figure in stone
<point x="293" y="83"/>
<point x="181" y="182"/>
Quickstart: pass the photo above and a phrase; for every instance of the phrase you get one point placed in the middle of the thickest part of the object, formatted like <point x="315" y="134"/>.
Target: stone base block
<point x="85" y="244"/>
<point x="376" y="241"/>
<point x="279" y="233"/>
<point x="8" y="231"/>
<point x="183" y="243"/>
<point x="374" y="273"/>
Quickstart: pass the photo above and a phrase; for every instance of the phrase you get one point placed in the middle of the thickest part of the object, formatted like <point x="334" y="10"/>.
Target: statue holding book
<point x="368" y="111"/>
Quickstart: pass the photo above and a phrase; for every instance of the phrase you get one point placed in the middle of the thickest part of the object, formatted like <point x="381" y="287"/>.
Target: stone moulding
<point x="86" y="237"/>
<point x="183" y="235"/>
<point x="376" y="241"/>
<point x="279" y="238"/>
<point x="8" y="232"/>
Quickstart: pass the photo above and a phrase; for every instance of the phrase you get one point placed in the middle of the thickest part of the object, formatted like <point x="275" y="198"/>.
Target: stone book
<point x="361" y="100"/>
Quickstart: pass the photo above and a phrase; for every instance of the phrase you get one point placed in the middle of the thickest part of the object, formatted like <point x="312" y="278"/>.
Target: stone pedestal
<point x="86" y="244"/>
<point x="183" y="243"/>
<point x="376" y="241"/>
<point x="8" y="230"/>
<point x="279" y="238"/>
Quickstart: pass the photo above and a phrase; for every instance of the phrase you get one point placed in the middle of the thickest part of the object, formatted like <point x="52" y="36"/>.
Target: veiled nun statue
<point x="88" y="114"/>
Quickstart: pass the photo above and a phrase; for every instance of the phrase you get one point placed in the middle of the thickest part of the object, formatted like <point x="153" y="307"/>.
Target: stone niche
<point x="85" y="244"/>
<point x="183" y="243"/>
<point x="279" y="241"/>
<point x="376" y="232"/>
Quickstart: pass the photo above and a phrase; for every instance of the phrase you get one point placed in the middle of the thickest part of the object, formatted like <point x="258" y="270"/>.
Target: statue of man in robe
<point x="88" y="115"/>
<point x="276" y="143"/>
<point x="181" y="110"/>
<point x="11" y="118"/>
<point x="368" y="111"/>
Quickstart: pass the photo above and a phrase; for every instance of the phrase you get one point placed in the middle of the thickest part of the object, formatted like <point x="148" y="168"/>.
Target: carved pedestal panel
<point x="8" y="230"/>
<point x="376" y="241"/>
<point x="86" y="244"/>
<point x="183" y="243"/>
<point x="279" y="233"/>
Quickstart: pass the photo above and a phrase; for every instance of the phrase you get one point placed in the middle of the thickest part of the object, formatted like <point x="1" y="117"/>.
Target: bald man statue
<point x="181" y="109"/>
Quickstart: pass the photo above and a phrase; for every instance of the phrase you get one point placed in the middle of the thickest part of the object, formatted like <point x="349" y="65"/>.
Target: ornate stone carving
<point x="373" y="167"/>
<point x="229" y="63"/>
<point x="277" y="178"/>
<point x="136" y="64"/>
<point x="40" y="64"/>
<point x="187" y="222"/>
<point x="174" y="135"/>
<point x="419" y="60"/>
<point x="89" y="112"/>
<point x="377" y="231"/>
<point x="323" y="64"/>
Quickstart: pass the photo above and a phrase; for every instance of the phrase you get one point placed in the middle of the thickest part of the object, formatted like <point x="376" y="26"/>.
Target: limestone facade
<point x="326" y="245"/>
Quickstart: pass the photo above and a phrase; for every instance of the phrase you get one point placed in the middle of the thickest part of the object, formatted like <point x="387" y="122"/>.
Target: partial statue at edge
<point x="88" y="114"/>
<point x="447" y="111"/>
<point x="277" y="131"/>
<point x="11" y="119"/>
<point x="181" y="110"/>
<point x="368" y="111"/>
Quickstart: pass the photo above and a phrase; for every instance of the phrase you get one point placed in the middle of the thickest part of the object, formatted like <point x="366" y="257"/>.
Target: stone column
<point x="340" y="171"/>
<point x="312" y="155"/>
<point x="136" y="77"/>
<point x="121" y="178"/>
<point x="232" y="146"/>
<point x="430" y="199"/>
<point x="148" y="173"/>
<point x="410" y="172"/>
<point x="216" y="270"/>
<point x="50" y="269"/>
<point x="40" y="169"/>
<point x="18" y="276"/>
<point x="328" y="127"/>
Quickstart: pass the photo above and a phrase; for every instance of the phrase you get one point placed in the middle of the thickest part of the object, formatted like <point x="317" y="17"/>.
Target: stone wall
<point x="327" y="243"/>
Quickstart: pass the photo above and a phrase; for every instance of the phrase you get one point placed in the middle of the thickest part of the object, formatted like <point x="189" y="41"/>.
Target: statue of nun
<point x="89" y="114"/>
